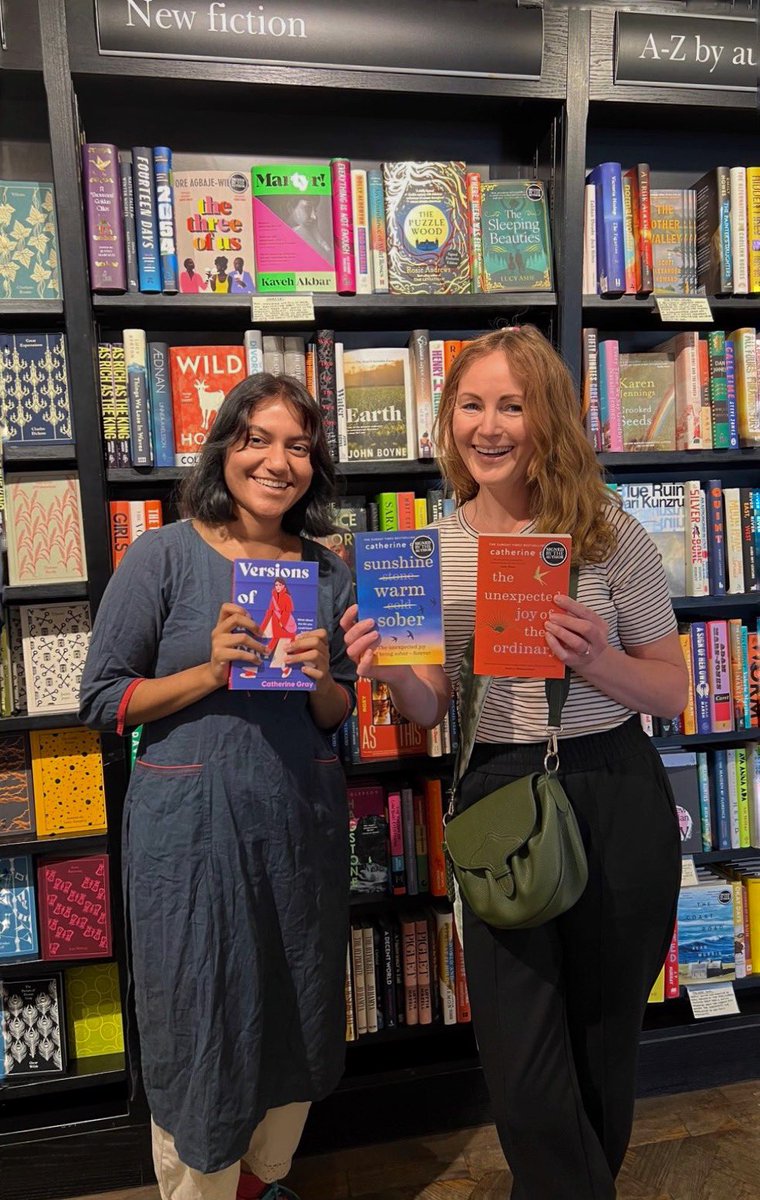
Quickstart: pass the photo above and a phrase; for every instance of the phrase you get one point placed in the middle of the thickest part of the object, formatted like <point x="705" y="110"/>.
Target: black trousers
<point x="557" y="1010"/>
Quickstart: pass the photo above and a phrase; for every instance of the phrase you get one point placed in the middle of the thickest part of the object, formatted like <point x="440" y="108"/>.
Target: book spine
<point x="705" y="420"/>
<point x="716" y="348"/>
<point x="437" y="372"/>
<point x="745" y="678"/>
<point x="742" y="788"/>
<point x="409" y="951"/>
<point x="721" y="716"/>
<point x="749" y="553"/>
<point x="107" y="405"/>
<point x="753" y="227"/>
<point x="326" y="386"/>
<point x="146" y="225"/>
<point x="698" y="631"/>
<point x="377" y="233"/>
<point x="645" y="228"/>
<point x="717" y="539"/>
<point x="436" y="855"/>
<point x="591" y="387"/>
<point x="162" y="420"/>
<point x="167" y="238"/>
<point x="121" y="530"/>
<point x="121" y="402"/>
<point x="590" y="275"/>
<point x="357" y="964"/>
<point x="474" y="230"/>
<point x="610" y="251"/>
<point x="444" y="926"/>
<point x="738" y="178"/>
<point x="370" y="989"/>
<point x="396" y="838"/>
<point x="724" y="216"/>
<point x="128" y="215"/>
<point x="732" y="516"/>
<point x="424" y="982"/>
<point x="340" y="404"/>
<point x="733" y="800"/>
<point x="387" y="976"/>
<point x="735" y="662"/>
<point x="136" y="361"/>
<point x="697" y="576"/>
<point x="343" y="226"/>
<point x="719" y="765"/>
<point x="362" y="259"/>
<point x="420" y="844"/>
<point x="105" y="225"/>
<point x="410" y="851"/>
<point x="748" y="411"/>
<point x="672" y="988"/>
<point x="629" y="236"/>
<point x="253" y="343"/>
<point x="731" y="409"/>
<point x="422" y="384"/>
<point x="705" y="819"/>
<point x="740" y="958"/>
<point x="464" y="1013"/>
<point x="351" y="1033"/>
<point x="689" y="714"/>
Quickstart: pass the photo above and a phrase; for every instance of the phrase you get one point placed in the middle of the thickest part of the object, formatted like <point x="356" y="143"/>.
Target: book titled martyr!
<point x="281" y="597"/>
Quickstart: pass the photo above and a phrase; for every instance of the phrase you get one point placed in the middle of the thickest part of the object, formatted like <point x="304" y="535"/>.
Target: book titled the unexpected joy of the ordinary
<point x="281" y="597"/>
<point x="518" y="578"/>
<point x="398" y="584"/>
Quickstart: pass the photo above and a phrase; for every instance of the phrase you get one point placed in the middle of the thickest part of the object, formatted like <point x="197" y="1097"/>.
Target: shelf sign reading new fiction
<point x="492" y="38"/>
<point x="689" y="52"/>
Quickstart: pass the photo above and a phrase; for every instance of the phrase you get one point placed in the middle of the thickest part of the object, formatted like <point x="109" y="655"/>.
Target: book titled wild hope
<point x="398" y="584"/>
<point x="281" y="597"/>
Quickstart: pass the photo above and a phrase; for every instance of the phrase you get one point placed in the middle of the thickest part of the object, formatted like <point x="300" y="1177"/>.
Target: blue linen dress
<point x="235" y="854"/>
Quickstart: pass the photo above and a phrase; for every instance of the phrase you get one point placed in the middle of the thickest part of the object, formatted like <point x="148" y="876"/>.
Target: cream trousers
<point x="269" y="1155"/>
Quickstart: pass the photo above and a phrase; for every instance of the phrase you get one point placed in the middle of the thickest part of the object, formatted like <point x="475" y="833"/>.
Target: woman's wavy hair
<point x="565" y="481"/>
<point x="204" y="494"/>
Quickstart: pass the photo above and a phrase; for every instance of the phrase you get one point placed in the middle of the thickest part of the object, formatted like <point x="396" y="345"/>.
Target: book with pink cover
<point x="293" y="229"/>
<point x="45" y="533"/>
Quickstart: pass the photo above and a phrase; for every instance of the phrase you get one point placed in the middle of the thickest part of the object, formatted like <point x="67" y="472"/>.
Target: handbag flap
<point x="484" y="836"/>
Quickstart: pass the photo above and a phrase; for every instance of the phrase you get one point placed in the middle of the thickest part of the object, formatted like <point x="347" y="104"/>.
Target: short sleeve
<point x="639" y="586"/>
<point x="126" y="633"/>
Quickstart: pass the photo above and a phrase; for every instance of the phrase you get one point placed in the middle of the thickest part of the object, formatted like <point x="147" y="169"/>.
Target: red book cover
<point x="518" y="578"/>
<point x="719" y="677"/>
<point x="383" y="732"/>
<point x="460" y="982"/>
<point x="753" y="645"/>
<point x="672" y="988"/>
<point x="201" y="377"/>
<point x="121" y="530"/>
<point x="74" y="899"/>
<point x="436" y="856"/>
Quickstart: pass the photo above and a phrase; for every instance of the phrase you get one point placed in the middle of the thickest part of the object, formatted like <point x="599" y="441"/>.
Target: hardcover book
<point x="31" y="1025"/>
<point x="682" y="775"/>
<point x="16" y="796"/>
<point x="648" y="401"/>
<point x="378" y="421"/>
<point x="293" y="229"/>
<point x="517" y="252"/>
<point x="213" y="213"/>
<point x="517" y="580"/>
<point x="670" y="241"/>
<point x="75" y="915"/>
<point x="383" y="732"/>
<point x="398" y="584"/>
<point x="34" y="383"/>
<point x="201" y="377"/>
<point x="101" y="185"/>
<point x="659" y="507"/>
<point x="45" y="532"/>
<point x="426" y="219"/>
<point x="281" y="597"/>
<point x="28" y="242"/>
<point x="55" y="639"/>
<point x="368" y="840"/>
<point x="18" y="919"/>
<point x="93" y="1010"/>
<point x="67" y="768"/>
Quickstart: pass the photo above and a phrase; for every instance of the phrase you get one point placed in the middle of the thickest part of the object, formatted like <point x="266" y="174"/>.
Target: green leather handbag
<point x="517" y="853"/>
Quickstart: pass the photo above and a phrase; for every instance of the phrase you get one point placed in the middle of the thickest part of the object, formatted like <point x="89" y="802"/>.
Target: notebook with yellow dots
<point x="67" y="770"/>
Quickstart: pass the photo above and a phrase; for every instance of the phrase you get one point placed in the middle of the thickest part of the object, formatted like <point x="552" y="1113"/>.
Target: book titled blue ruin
<point x="398" y="584"/>
<point x="281" y="597"/>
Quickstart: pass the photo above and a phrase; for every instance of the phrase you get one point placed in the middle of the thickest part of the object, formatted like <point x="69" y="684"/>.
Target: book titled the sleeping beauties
<point x="398" y="584"/>
<point x="281" y="597"/>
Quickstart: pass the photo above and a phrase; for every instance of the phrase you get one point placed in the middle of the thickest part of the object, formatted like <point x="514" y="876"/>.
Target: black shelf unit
<point x="80" y="1073"/>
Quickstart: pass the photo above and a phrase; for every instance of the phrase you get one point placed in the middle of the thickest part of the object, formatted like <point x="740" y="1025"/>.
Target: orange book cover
<point x="121" y="530"/>
<point x="451" y="348"/>
<point x="406" y="510"/>
<point x="436" y="858"/>
<point x="383" y="732"/>
<point x="201" y="376"/>
<point x="753" y="646"/>
<point x="154" y="515"/>
<point x="518" y="577"/>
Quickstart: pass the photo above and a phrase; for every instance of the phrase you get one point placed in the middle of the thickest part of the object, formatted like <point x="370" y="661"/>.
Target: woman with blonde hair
<point x="557" y="1009"/>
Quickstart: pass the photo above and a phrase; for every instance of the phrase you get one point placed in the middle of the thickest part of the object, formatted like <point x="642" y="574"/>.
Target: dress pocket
<point x="164" y="789"/>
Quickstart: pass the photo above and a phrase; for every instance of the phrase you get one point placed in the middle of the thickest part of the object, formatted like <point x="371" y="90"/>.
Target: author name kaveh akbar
<point x="214" y="18"/>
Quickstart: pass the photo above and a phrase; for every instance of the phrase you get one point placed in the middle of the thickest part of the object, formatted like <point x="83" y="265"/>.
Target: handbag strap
<point x="473" y="692"/>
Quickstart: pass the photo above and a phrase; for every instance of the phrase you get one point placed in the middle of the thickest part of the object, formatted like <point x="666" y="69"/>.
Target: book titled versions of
<point x="517" y="254"/>
<point x="201" y="377"/>
<point x="376" y="417"/>
<point x="398" y="584"/>
<point x="213" y="215"/>
<point x="45" y="531"/>
<point x="18" y="919"/>
<point x="426" y="218"/>
<point x="659" y="507"/>
<point x="31" y="1027"/>
<point x="16" y="797"/>
<point x="55" y="639"/>
<point x="281" y="597"/>
<point x="28" y="242"/>
<point x="293" y="229"/>
<point x="75" y="915"/>
<point x="34" y="388"/>
<point x="518" y="577"/>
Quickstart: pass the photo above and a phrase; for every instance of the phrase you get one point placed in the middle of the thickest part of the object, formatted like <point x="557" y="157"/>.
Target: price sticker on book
<point x="683" y="308"/>
<point x="713" y="1000"/>
<point x="281" y="309"/>
<point x="688" y="871"/>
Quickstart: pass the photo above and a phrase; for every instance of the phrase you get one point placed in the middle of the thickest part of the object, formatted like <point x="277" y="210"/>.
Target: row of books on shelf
<point x="640" y="239"/>
<point x="54" y="909"/>
<point x="405" y="971"/>
<point x="376" y="730"/>
<point x="51" y="784"/>
<point x="42" y="653"/>
<point x="718" y="921"/>
<point x="717" y="795"/>
<point x="690" y="393"/>
<point x="709" y="537"/>
<point x="723" y="658"/>
<point x="396" y="838"/>
<point x="48" y="1021"/>
<point x="159" y="225"/>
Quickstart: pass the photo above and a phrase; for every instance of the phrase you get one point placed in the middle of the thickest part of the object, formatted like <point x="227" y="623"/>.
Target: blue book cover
<point x="281" y="597"/>
<point x="167" y="240"/>
<point x="29" y="250"/>
<point x="146" y="224"/>
<point x="706" y="934"/>
<point x="733" y="417"/>
<point x="698" y="634"/>
<point x="716" y="539"/>
<point x="161" y="418"/>
<point x="607" y="178"/>
<point x="398" y="584"/>
<point x="35" y="380"/>
<point x="18" y="919"/>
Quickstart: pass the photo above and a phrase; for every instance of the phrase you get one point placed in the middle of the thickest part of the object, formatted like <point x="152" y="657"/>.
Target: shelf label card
<point x="713" y="1000"/>
<point x="281" y="309"/>
<point x="683" y="308"/>
<point x="688" y="871"/>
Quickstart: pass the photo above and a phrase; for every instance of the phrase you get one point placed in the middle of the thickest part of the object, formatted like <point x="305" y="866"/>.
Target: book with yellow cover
<point x="518" y="577"/>
<point x="93" y="1010"/>
<point x="67" y="769"/>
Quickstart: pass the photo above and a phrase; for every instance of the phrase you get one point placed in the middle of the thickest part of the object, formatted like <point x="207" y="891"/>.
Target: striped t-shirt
<point x="629" y="590"/>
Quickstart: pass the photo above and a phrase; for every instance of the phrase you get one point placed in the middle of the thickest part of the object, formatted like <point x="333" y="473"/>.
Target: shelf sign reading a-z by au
<point x="690" y="52"/>
<point x="492" y="38"/>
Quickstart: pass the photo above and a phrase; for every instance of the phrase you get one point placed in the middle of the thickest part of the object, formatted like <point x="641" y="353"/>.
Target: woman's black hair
<point x="204" y="495"/>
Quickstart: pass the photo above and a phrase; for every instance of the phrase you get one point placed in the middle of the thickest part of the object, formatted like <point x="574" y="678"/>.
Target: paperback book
<point x="376" y="419"/>
<point x="426" y="217"/>
<point x="398" y="584"/>
<point x="517" y="580"/>
<point x="281" y="597"/>
<point x="517" y="254"/>
<point x="213" y="215"/>
<point x="293" y="229"/>
<point x="201" y="377"/>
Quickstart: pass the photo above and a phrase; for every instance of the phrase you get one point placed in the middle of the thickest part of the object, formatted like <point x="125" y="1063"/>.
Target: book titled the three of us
<point x="518" y="578"/>
<point x="281" y="597"/>
<point x="398" y="584"/>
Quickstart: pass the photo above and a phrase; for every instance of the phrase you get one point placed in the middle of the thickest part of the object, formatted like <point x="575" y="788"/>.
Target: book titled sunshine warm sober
<point x="517" y="580"/>
<point x="398" y="584"/>
<point x="281" y="597"/>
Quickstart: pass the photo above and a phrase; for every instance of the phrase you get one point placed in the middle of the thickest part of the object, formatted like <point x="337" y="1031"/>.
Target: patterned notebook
<point x="55" y="639"/>
<point x="67" y="767"/>
<point x="75" y="914"/>
<point x="93" y="1010"/>
<point x="45" y="531"/>
<point x="31" y="1022"/>
<point x="18" y="919"/>
<point x="28" y="242"/>
<point x="16" y="798"/>
<point x="35" y="383"/>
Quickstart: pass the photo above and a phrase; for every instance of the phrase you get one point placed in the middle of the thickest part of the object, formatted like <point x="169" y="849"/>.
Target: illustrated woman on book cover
<point x="557" y="1008"/>
<point x="235" y="795"/>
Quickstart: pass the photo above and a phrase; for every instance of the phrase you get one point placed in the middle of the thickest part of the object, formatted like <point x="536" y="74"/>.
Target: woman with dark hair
<point x="235" y="828"/>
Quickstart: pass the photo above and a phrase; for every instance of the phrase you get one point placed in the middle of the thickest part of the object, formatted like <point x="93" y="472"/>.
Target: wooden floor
<point x="697" y="1146"/>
